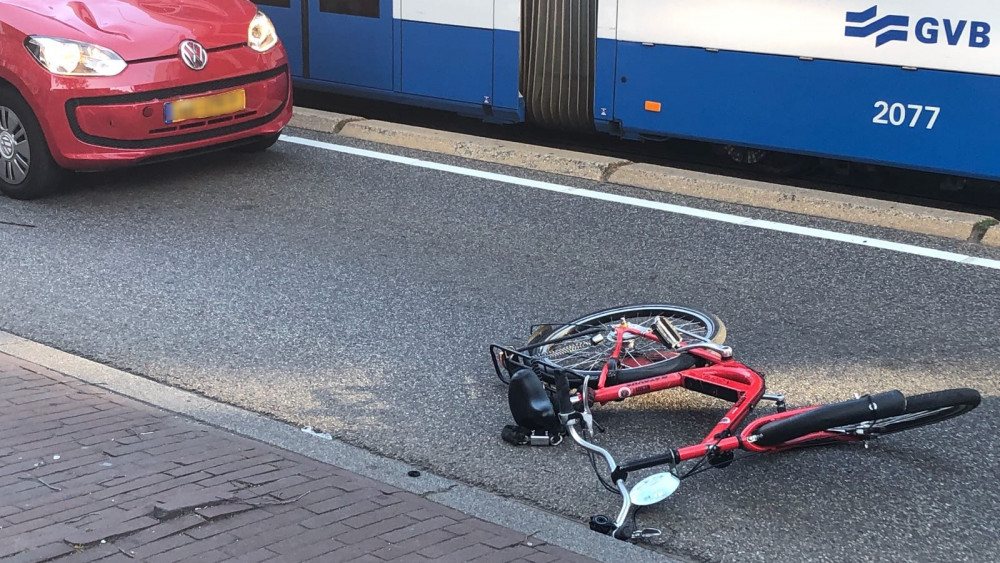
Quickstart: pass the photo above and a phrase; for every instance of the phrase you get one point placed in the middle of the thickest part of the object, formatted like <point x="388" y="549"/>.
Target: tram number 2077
<point x="912" y="115"/>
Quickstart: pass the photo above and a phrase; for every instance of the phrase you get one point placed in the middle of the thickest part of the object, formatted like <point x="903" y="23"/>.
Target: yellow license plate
<point x="205" y="106"/>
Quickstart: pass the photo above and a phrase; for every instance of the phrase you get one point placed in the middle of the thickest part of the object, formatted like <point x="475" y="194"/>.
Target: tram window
<point x="364" y="8"/>
<point x="275" y="3"/>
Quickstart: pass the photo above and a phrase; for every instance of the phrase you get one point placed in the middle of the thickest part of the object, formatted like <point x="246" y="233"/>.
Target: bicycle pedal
<point x="519" y="436"/>
<point x="666" y="331"/>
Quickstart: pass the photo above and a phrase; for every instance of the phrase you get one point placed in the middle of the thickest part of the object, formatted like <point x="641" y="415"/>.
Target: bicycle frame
<point x="723" y="378"/>
<point x="539" y="385"/>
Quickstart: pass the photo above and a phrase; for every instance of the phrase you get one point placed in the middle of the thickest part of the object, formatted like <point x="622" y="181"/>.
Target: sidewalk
<point x="87" y="475"/>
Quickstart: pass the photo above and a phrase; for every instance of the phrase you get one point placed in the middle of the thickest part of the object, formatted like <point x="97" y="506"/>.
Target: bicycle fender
<point x="872" y="407"/>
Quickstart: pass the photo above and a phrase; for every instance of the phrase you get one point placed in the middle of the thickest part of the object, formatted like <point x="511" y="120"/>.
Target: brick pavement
<point x="88" y="475"/>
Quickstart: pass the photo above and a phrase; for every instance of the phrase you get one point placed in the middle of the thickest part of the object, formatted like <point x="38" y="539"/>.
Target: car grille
<point x="185" y="132"/>
<point x="197" y="124"/>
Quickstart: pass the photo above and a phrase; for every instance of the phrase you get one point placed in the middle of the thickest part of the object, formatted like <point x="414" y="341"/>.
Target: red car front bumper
<point x="94" y="123"/>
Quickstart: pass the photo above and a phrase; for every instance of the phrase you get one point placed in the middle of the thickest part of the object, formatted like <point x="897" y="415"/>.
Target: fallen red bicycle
<point x="611" y="355"/>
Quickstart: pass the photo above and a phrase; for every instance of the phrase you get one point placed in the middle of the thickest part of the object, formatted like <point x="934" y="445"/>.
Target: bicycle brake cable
<point x="589" y="421"/>
<point x="597" y="472"/>
<point x="635" y="524"/>
<point x="695" y="470"/>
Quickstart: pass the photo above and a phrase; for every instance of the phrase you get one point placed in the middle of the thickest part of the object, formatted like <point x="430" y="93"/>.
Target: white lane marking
<point x="659" y="206"/>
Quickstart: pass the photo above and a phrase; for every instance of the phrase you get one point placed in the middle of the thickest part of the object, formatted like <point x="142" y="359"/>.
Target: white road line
<point x="669" y="208"/>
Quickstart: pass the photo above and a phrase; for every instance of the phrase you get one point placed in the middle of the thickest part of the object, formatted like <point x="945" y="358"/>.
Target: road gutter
<point x="853" y="209"/>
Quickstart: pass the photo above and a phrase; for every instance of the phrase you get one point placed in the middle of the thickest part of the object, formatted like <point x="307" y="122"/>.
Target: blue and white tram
<point x="910" y="83"/>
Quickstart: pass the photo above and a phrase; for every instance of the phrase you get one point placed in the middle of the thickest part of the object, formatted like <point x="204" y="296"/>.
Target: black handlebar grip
<point x="671" y="457"/>
<point x="562" y="390"/>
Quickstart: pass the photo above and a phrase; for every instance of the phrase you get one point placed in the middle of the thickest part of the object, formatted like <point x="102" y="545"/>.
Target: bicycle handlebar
<point x="669" y="458"/>
<point x="572" y="421"/>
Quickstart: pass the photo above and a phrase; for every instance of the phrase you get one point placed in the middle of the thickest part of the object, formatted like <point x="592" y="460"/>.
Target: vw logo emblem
<point x="6" y="144"/>
<point x="194" y="55"/>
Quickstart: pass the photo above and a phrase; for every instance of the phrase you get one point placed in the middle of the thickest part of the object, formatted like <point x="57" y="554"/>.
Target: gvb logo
<point x="927" y="30"/>
<point x="878" y="26"/>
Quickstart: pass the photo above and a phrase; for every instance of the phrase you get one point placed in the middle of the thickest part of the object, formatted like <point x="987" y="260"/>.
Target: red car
<point x="94" y="84"/>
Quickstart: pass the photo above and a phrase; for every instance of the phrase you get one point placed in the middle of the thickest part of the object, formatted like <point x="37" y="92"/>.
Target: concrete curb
<point x="866" y="211"/>
<point x="841" y="207"/>
<point x="557" y="161"/>
<point x="322" y="121"/>
<point x="481" y="504"/>
<point x="992" y="236"/>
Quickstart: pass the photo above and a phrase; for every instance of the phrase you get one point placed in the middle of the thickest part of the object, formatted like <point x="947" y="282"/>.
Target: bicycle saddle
<point x="530" y="402"/>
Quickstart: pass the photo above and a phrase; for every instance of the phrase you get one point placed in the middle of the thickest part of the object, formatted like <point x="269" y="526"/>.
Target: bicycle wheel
<point x="574" y="345"/>
<point x="920" y="410"/>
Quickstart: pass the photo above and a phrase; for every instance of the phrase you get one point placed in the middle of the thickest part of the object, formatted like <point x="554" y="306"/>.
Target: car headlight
<point x="261" y="36"/>
<point x="74" y="58"/>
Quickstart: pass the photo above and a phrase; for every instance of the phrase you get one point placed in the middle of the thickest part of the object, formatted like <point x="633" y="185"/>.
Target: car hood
<point x="137" y="29"/>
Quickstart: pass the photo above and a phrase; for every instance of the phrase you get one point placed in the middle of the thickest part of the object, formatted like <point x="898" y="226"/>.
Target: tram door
<point x="350" y="42"/>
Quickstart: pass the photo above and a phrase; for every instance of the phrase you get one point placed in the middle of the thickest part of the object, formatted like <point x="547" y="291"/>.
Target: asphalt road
<point x="359" y="296"/>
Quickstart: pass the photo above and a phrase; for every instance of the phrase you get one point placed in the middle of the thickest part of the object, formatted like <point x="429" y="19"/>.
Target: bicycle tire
<point x="920" y="410"/>
<point x="648" y="358"/>
<point x="928" y="408"/>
